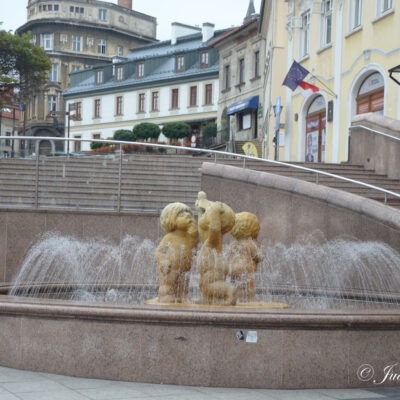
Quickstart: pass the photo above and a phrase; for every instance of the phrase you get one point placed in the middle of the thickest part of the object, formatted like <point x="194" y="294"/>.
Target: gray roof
<point x="160" y="66"/>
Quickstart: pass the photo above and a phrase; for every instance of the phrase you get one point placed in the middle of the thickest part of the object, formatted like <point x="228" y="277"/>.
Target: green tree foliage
<point x="146" y="130"/>
<point x="210" y="130"/>
<point x="176" y="130"/>
<point x="22" y="65"/>
<point x="124" y="135"/>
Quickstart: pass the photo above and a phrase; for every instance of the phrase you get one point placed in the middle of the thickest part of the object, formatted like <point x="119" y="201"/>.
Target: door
<point x="315" y="143"/>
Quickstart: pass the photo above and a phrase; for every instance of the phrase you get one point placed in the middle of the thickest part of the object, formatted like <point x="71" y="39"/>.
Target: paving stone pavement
<point x="27" y="385"/>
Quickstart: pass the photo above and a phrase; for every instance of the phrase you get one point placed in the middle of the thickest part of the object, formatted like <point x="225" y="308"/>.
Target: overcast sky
<point x="223" y="13"/>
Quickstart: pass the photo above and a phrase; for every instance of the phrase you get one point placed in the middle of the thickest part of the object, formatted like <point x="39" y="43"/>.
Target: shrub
<point x="96" y="145"/>
<point x="210" y="130"/>
<point x="176" y="130"/>
<point x="146" y="130"/>
<point x="125" y="135"/>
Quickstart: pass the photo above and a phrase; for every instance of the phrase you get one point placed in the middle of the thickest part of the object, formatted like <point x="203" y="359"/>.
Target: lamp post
<point x="392" y="71"/>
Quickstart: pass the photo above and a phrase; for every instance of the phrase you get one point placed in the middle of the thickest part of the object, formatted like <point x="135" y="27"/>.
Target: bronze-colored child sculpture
<point x="216" y="219"/>
<point x="175" y="252"/>
<point x="244" y="255"/>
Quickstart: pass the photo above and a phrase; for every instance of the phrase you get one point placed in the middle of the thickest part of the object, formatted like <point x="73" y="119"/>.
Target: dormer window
<point x="140" y="70"/>
<point x="120" y="73"/>
<point x="99" y="76"/>
<point x="180" y="63"/>
<point x="204" y="59"/>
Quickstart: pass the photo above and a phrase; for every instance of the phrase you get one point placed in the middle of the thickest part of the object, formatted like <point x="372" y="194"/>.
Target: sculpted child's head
<point x="246" y="225"/>
<point x="177" y="216"/>
<point x="226" y="214"/>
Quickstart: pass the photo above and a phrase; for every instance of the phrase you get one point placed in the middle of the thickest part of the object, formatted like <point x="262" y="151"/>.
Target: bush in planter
<point x="176" y="130"/>
<point x="124" y="135"/>
<point x="146" y="130"/>
<point x="210" y="130"/>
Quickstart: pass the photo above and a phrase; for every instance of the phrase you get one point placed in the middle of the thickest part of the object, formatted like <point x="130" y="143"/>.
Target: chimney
<point x="208" y="31"/>
<point x="174" y="33"/>
<point x="125" y="3"/>
<point x="179" y="30"/>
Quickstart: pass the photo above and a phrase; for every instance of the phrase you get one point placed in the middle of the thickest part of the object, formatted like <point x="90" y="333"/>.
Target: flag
<point x="295" y="78"/>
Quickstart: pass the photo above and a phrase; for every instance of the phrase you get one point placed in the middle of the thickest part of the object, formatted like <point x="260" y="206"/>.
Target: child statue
<point x="215" y="219"/>
<point x="244" y="255"/>
<point x="175" y="252"/>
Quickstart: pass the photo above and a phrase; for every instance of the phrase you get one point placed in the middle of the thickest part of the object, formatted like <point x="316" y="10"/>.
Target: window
<point x="71" y="9"/>
<point x="383" y="7"/>
<point x="96" y="136"/>
<point x="101" y="46"/>
<point x="75" y="68"/>
<point x="53" y="74"/>
<point x="40" y="8"/>
<point x="244" y="121"/>
<point x="174" y="98"/>
<point x="355" y="14"/>
<point x="76" y="43"/>
<point x="204" y="59"/>
<point x="81" y="10"/>
<point x="99" y="76"/>
<point x="180" y="63"/>
<point x="50" y="7"/>
<point x="140" y="70"/>
<point x="141" y="102"/>
<point x="55" y="7"/>
<point x="227" y="76"/>
<point x="78" y="111"/>
<point x="118" y="109"/>
<point x="77" y="10"/>
<point x="47" y="40"/>
<point x="102" y="15"/>
<point x="193" y="96"/>
<point x="44" y="7"/>
<point x="51" y="103"/>
<point x="256" y="64"/>
<point x="305" y="35"/>
<point x="154" y="101"/>
<point x="120" y="51"/>
<point x="120" y="73"/>
<point x="326" y="23"/>
<point x="371" y="95"/>
<point x="97" y="104"/>
<point x="77" y="145"/>
<point x="208" y="97"/>
<point x="241" y="70"/>
<point x="8" y="141"/>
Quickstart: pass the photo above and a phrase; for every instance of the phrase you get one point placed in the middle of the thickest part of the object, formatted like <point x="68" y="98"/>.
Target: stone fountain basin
<point x="293" y="349"/>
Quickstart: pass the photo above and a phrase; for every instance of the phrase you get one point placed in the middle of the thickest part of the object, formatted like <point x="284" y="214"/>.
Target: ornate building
<point x="77" y="34"/>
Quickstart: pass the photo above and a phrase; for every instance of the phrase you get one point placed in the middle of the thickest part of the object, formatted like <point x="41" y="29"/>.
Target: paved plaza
<point x="26" y="385"/>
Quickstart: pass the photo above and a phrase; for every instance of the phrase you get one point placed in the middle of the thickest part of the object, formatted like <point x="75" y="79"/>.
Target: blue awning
<point x="252" y="102"/>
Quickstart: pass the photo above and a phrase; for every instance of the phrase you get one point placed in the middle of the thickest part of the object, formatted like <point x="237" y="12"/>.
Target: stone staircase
<point x="149" y="182"/>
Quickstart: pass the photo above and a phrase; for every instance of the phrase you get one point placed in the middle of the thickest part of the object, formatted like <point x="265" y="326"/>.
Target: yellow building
<point x="348" y="47"/>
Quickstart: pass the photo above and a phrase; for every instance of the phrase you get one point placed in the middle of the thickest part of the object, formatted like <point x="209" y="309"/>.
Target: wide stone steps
<point x="151" y="181"/>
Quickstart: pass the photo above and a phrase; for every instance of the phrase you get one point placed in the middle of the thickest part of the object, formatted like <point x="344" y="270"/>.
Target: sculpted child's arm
<point x="215" y="235"/>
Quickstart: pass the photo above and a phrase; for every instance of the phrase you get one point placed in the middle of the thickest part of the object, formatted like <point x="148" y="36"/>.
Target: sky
<point x="223" y="13"/>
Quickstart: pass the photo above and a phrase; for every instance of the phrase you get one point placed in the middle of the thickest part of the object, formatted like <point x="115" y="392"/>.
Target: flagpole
<point x="330" y="90"/>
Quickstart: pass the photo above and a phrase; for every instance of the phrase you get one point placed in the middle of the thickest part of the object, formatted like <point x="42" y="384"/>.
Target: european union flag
<point x="295" y="76"/>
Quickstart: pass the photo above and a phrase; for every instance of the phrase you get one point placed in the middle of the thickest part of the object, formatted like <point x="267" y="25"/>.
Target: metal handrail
<point x="375" y="131"/>
<point x="215" y="153"/>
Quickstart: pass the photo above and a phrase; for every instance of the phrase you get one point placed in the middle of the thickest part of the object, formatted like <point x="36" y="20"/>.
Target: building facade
<point x="169" y="81"/>
<point x="348" y="47"/>
<point x="9" y="127"/>
<point x="241" y="53"/>
<point x="77" y="34"/>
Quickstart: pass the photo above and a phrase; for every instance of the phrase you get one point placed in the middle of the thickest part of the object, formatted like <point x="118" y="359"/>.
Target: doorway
<point x="315" y="144"/>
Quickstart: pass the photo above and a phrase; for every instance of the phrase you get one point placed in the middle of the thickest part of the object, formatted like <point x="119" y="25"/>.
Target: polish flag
<point x="307" y="89"/>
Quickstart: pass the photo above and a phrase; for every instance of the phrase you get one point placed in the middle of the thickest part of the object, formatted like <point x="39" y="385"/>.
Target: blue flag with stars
<point x="295" y="76"/>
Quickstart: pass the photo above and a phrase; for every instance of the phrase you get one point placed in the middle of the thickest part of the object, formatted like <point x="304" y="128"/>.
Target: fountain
<point x="77" y="306"/>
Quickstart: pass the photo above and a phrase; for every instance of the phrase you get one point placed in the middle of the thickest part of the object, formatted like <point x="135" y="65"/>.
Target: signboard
<point x="281" y="138"/>
<point x="250" y="149"/>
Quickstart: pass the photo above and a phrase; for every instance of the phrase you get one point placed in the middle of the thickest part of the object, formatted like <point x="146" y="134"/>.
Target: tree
<point x="176" y="130"/>
<point x="23" y="66"/>
<point x="210" y="130"/>
<point x="146" y="130"/>
<point x="124" y="135"/>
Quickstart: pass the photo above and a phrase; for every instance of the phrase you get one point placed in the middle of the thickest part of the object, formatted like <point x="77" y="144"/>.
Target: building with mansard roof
<point x="169" y="81"/>
<point x="77" y="34"/>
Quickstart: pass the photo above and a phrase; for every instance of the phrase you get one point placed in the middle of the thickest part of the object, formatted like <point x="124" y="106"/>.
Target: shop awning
<point x="252" y="102"/>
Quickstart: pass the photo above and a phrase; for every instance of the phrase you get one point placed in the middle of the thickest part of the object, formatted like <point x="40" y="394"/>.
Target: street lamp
<point x="392" y="71"/>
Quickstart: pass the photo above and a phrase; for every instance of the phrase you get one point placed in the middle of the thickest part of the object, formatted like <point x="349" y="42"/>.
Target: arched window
<point x="370" y="97"/>
<point x="315" y="145"/>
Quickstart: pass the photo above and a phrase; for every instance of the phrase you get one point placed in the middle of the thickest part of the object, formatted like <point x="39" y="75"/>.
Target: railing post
<point x="215" y="158"/>
<point x="119" y="179"/>
<point x="386" y="199"/>
<point x="37" y="179"/>
<point x="317" y="178"/>
<point x="244" y="163"/>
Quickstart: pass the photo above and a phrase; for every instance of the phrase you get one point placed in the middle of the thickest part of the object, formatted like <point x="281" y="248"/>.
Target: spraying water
<point x="310" y="273"/>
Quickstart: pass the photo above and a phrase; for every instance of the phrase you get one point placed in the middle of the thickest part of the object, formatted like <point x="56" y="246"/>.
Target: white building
<point x="169" y="81"/>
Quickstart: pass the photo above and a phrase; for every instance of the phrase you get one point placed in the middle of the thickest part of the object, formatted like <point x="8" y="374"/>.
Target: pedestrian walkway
<point x="26" y="385"/>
